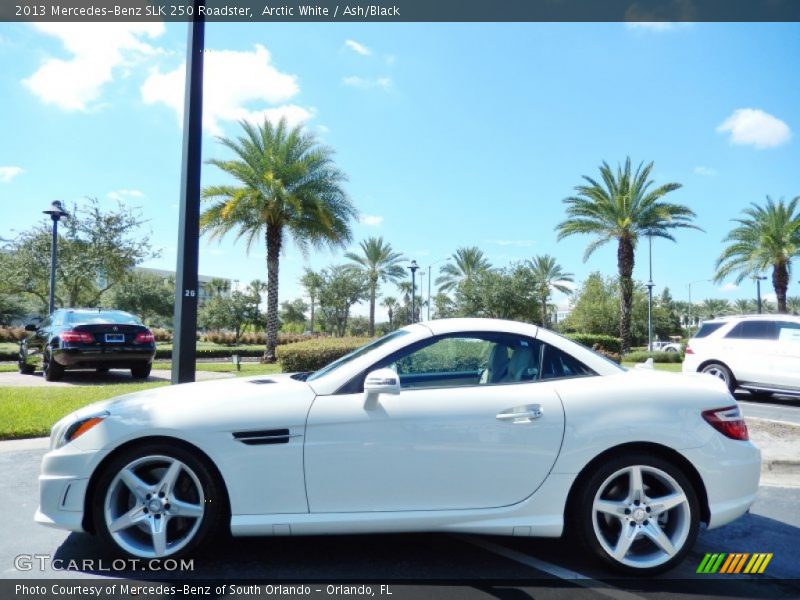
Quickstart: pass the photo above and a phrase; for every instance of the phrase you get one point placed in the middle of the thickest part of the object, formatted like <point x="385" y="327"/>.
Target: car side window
<point x="788" y="332"/>
<point x="557" y="364"/>
<point x="754" y="330"/>
<point x="463" y="360"/>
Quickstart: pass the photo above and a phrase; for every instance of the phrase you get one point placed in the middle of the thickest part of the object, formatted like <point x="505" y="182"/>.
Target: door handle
<point x="521" y="414"/>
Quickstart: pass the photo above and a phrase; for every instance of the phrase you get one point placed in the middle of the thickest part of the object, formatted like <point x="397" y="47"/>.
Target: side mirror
<point x="30" y="327"/>
<point x="382" y="381"/>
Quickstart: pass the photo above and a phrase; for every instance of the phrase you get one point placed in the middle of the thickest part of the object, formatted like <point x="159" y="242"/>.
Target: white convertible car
<point x="461" y="425"/>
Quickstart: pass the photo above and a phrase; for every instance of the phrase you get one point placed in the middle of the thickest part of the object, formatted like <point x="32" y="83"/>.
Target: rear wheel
<point x="157" y="500"/>
<point x="52" y="370"/>
<point x="141" y="371"/>
<point x="721" y="372"/>
<point x="638" y="514"/>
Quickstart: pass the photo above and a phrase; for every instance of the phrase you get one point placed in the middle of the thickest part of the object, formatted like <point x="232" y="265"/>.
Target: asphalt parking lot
<point x="482" y="564"/>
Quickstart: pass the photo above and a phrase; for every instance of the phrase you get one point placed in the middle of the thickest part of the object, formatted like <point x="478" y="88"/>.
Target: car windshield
<point x="707" y="329"/>
<point x="101" y="317"/>
<point x="356" y="354"/>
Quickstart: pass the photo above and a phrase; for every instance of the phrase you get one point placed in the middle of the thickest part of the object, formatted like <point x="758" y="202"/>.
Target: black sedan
<point x="87" y="338"/>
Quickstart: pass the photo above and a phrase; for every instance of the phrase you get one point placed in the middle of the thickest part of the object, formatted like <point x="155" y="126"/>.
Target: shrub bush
<point x="609" y="355"/>
<point x="314" y="354"/>
<point x="590" y="340"/>
<point x="258" y="338"/>
<point x="12" y="334"/>
<point x="161" y="335"/>
<point x="659" y="357"/>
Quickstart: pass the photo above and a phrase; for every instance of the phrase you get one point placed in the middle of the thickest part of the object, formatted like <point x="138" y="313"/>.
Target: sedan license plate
<point x="115" y="338"/>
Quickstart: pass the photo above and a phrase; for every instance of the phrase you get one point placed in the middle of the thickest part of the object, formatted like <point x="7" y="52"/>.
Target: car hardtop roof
<point x="754" y="317"/>
<point x="442" y="326"/>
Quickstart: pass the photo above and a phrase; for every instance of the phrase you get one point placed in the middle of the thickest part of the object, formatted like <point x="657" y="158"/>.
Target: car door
<point x="786" y="360"/>
<point x="748" y="350"/>
<point x="464" y="432"/>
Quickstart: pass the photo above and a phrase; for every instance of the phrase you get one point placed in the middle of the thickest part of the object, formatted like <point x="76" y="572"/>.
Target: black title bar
<point x="404" y="10"/>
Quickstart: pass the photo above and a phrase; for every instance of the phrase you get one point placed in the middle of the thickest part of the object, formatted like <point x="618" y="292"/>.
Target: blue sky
<point x="452" y="134"/>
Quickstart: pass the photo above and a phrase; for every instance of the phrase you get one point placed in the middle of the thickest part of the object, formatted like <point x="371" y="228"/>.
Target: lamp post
<point x="56" y="213"/>
<point x="650" y="299"/>
<point x="759" y="279"/>
<point x="689" y="324"/>
<point x="413" y="268"/>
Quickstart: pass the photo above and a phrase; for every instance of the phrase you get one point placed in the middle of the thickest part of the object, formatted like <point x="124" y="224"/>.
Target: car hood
<point x="219" y="405"/>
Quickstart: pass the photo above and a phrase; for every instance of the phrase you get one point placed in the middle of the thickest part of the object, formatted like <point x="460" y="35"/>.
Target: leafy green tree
<point x="294" y="313"/>
<point x="403" y="313"/>
<point x="549" y="276"/>
<point x="218" y="286"/>
<point x="380" y="263"/>
<point x="150" y="296"/>
<point x="390" y="304"/>
<point x="10" y="309"/>
<point x="232" y="312"/>
<point x="714" y="307"/>
<point x="510" y="293"/>
<point x="767" y="237"/>
<point x="596" y="307"/>
<point x="443" y="306"/>
<point x="342" y="287"/>
<point x="287" y="186"/>
<point x="743" y="306"/>
<point x="467" y="262"/>
<point x="624" y="207"/>
<point x="96" y="250"/>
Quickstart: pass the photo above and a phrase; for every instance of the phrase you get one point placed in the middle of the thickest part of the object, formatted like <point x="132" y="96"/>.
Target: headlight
<point x="79" y="427"/>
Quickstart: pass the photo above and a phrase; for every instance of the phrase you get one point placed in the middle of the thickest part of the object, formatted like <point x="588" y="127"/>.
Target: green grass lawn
<point x="31" y="411"/>
<point x="671" y="367"/>
<point x="248" y="368"/>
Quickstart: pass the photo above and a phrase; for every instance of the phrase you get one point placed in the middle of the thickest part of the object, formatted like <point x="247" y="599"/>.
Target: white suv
<point x="760" y="353"/>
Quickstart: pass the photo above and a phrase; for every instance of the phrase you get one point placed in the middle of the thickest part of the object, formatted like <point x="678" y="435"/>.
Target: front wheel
<point x="638" y="514"/>
<point x="157" y="500"/>
<point x="141" y="371"/>
<point x="723" y="373"/>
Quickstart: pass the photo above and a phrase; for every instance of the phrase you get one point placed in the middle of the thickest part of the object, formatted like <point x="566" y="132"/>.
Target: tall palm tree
<point x="286" y="186"/>
<point x="766" y="237"/>
<point x="217" y="286"/>
<point x="380" y="263"/>
<point x="623" y="207"/>
<point x="549" y="276"/>
<point x="467" y="262"/>
<point x="390" y="304"/>
<point x="312" y="282"/>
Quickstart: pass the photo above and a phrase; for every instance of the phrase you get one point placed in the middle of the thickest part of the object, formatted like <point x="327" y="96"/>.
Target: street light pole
<point x="759" y="279"/>
<point x="650" y="299"/>
<point x="56" y="213"/>
<point x="430" y="272"/>
<point x="689" y="324"/>
<point x="413" y="268"/>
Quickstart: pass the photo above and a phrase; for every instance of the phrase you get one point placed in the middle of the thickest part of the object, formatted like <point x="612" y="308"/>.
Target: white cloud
<point x="97" y="51"/>
<point x="370" y="220"/>
<point x="515" y="243"/>
<point x="8" y="173"/>
<point x="754" y="127"/>
<point x="121" y="195"/>
<point x="232" y="81"/>
<point x="729" y="287"/>
<point x="705" y="171"/>
<point x="384" y="83"/>
<point x="358" y="48"/>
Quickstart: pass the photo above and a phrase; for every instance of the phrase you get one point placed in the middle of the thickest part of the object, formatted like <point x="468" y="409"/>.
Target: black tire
<point x="141" y="371"/>
<point x="215" y="503"/>
<point x="26" y="369"/>
<point x="684" y="520"/>
<point x="721" y="372"/>
<point x="52" y="370"/>
<point x="761" y="396"/>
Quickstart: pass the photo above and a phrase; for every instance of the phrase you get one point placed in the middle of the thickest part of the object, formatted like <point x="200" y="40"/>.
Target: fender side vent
<point x="263" y="437"/>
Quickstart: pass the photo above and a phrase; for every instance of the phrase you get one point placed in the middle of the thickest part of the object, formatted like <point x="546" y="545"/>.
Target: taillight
<point x="144" y="337"/>
<point x="728" y="421"/>
<point x="76" y="337"/>
<point x="688" y="350"/>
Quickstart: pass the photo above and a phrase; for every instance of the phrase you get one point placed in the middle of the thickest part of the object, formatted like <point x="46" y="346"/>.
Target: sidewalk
<point x="779" y="442"/>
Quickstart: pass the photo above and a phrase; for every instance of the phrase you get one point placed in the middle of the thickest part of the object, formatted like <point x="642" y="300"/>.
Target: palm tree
<point x="623" y="208"/>
<point x="312" y="282"/>
<point x="744" y="306"/>
<point x="217" y="286"/>
<point x="380" y="263"/>
<point x="793" y="305"/>
<point x="390" y="304"/>
<point x="549" y="276"/>
<point x="286" y="186"/>
<point x="767" y="237"/>
<point x="714" y="307"/>
<point x="466" y="263"/>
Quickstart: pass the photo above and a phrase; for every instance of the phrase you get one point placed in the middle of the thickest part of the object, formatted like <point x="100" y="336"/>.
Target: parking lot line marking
<point x="556" y="571"/>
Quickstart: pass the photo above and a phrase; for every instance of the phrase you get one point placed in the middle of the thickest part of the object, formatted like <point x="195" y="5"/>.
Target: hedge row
<point x="12" y="334"/>
<point x="315" y="354"/>
<point x="604" y="342"/>
<point x="659" y="357"/>
<point x="227" y="337"/>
